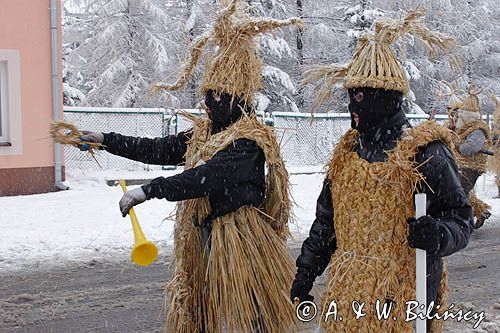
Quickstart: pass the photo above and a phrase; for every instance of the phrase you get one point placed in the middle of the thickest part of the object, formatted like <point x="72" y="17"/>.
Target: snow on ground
<point x="84" y="223"/>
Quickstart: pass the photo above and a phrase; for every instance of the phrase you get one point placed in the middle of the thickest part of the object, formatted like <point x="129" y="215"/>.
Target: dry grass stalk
<point x="372" y="202"/>
<point x="236" y="66"/>
<point x="248" y="270"/>
<point x="374" y="63"/>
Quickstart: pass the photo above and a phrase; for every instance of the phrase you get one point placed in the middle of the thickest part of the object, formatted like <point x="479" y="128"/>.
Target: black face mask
<point x="373" y="107"/>
<point x="222" y="112"/>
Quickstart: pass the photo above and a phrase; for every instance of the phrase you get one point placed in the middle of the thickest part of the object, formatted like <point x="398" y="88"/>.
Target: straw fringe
<point x="195" y="53"/>
<point x="248" y="271"/>
<point x="372" y="202"/>
<point x="236" y="66"/>
<point x="437" y="326"/>
<point x="327" y="77"/>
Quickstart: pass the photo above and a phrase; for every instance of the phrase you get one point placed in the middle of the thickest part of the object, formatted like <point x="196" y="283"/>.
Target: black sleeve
<point x="231" y="166"/>
<point x="446" y="199"/>
<point x="169" y="150"/>
<point x="318" y="248"/>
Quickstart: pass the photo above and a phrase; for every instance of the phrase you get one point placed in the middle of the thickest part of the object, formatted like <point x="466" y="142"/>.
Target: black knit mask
<point x="370" y="107"/>
<point x="221" y="111"/>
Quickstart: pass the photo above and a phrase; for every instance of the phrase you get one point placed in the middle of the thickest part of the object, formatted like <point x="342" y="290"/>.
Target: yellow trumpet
<point x="144" y="252"/>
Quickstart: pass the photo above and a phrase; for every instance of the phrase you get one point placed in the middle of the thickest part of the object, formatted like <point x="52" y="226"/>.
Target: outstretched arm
<point x="169" y="150"/>
<point x="229" y="167"/>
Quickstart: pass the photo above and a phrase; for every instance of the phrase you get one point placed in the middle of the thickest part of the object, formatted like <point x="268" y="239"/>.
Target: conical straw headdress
<point x="235" y="68"/>
<point x="374" y="63"/>
<point x="471" y="102"/>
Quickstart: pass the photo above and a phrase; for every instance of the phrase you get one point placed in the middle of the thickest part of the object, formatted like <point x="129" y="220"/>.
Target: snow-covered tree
<point x="129" y="48"/>
<point x="73" y="26"/>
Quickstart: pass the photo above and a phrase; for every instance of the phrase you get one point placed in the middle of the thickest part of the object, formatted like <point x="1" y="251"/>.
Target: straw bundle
<point x="372" y="202"/>
<point x="374" y="63"/>
<point x="68" y="134"/>
<point x="245" y="277"/>
<point x="236" y="67"/>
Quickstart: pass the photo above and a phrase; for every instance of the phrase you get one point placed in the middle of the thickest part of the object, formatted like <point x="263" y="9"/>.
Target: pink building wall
<point x="28" y="165"/>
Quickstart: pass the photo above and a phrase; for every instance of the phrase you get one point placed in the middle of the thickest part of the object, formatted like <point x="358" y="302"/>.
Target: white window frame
<point x="4" y="111"/>
<point x="11" y="142"/>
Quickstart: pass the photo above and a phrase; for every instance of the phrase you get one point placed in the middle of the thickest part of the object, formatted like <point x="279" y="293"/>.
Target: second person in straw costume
<point x="364" y="231"/>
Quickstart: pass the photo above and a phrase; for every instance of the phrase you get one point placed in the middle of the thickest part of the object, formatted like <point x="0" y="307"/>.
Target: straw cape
<point x="374" y="63"/>
<point x="236" y="67"/>
<point x="241" y="283"/>
<point x="373" y="200"/>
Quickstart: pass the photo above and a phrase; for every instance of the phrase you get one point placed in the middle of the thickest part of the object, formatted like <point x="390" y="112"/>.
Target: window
<point x="4" y="128"/>
<point x="11" y="139"/>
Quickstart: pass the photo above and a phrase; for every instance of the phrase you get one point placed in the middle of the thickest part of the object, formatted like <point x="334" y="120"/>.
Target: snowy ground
<point x="85" y="222"/>
<point x="63" y="258"/>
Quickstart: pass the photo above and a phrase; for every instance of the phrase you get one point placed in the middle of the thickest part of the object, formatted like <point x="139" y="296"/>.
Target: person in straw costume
<point x="232" y="267"/>
<point x="364" y="230"/>
<point x="472" y="139"/>
<point x="493" y="164"/>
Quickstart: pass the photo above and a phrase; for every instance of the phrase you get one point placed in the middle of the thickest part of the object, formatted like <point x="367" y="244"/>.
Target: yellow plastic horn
<point x="144" y="252"/>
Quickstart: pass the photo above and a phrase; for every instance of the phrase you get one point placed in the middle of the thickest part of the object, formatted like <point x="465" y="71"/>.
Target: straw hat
<point x="471" y="102"/>
<point x="374" y="63"/>
<point x="235" y="67"/>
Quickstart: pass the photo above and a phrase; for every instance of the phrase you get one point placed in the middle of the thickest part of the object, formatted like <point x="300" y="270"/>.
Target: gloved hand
<point x="130" y="199"/>
<point x="301" y="287"/>
<point x="90" y="137"/>
<point x="424" y="234"/>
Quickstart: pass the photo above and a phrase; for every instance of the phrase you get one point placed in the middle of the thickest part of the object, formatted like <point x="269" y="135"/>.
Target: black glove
<point x="301" y="287"/>
<point x="424" y="234"/>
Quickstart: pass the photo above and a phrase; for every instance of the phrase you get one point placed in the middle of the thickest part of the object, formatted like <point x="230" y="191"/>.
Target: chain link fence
<point x="133" y="122"/>
<point x="304" y="140"/>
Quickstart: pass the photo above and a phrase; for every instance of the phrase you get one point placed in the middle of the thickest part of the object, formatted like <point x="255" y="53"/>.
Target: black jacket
<point x="233" y="178"/>
<point x="447" y="203"/>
